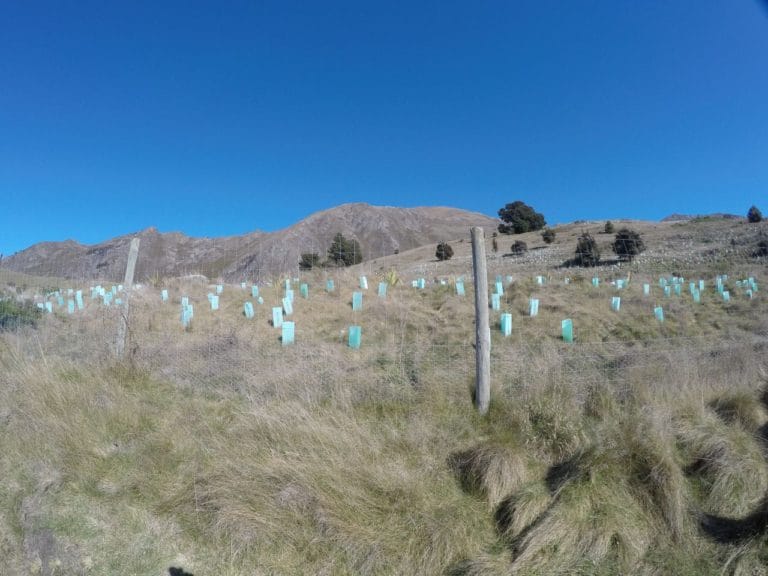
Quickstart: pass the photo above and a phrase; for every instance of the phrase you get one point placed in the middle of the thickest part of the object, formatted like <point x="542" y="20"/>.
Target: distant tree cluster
<point x="518" y="218"/>
<point x="342" y="252"/>
<point x="626" y="245"/>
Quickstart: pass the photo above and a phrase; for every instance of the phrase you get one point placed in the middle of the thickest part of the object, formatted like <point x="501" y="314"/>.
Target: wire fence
<point x="225" y="352"/>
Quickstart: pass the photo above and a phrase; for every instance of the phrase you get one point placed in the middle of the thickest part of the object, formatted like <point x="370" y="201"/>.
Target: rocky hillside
<point x="380" y="231"/>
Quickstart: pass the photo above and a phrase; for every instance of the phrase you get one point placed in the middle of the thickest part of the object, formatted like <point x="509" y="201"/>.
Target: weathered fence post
<point x="122" y="328"/>
<point x="482" y="325"/>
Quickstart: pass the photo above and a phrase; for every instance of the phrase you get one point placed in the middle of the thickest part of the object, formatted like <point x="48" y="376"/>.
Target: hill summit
<point x="380" y="231"/>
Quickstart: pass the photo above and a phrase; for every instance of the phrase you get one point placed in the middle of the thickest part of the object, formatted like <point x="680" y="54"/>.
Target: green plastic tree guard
<point x="355" y="336"/>
<point x="506" y="324"/>
<point x="277" y="316"/>
<point x="567" y="329"/>
<point x="288" y="333"/>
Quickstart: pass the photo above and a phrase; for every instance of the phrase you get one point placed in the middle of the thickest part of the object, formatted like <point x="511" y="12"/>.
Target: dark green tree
<point x="444" y="251"/>
<point x="754" y="215"/>
<point x="344" y="252"/>
<point x="609" y="227"/>
<point x="587" y="252"/>
<point x="627" y="244"/>
<point x="309" y="260"/>
<point x="548" y="235"/>
<point x="518" y="217"/>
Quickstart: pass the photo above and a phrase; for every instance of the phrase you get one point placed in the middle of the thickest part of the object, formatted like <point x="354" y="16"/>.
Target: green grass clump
<point x="14" y="314"/>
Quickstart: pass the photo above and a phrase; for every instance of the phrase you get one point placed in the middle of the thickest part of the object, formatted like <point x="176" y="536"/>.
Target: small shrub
<point x="754" y="215"/>
<point x="14" y="314"/>
<point x="391" y="277"/>
<point x="548" y="236"/>
<point x="587" y="252"/>
<point x="309" y="261"/>
<point x="609" y="227"/>
<point x="519" y="248"/>
<point x="444" y="251"/>
<point x="761" y="249"/>
<point x="628" y="244"/>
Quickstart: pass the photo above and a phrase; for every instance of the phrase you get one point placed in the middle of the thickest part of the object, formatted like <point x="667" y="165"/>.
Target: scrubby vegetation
<point x="444" y="251"/>
<point x="14" y="313"/>
<point x="628" y="244"/>
<point x="519" y="248"/>
<point x="587" y="251"/>
<point x="754" y="215"/>
<point x="548" y="236"/>
<point x="309" y="260"/>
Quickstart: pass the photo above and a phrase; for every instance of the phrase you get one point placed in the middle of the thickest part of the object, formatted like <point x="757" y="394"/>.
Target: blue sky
<point x="222" y="118"/>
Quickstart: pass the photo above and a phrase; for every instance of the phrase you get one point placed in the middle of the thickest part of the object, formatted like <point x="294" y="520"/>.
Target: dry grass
<point x="223" y="451"/>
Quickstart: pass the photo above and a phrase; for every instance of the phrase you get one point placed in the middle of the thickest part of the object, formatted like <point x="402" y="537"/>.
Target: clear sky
<point x="219" y="118"/>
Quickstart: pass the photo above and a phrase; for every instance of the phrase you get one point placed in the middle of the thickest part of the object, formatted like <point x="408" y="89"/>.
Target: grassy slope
<point x="220" y="451"/>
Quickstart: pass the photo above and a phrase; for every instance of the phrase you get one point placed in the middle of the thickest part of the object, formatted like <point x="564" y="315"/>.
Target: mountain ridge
<point x="380" y="230"/>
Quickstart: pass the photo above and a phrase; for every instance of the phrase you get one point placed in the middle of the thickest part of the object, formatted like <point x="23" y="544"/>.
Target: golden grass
<point x="223" y="451"/>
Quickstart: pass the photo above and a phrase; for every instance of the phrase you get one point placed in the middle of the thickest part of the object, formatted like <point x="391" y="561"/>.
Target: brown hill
<point x="380" y="230"/>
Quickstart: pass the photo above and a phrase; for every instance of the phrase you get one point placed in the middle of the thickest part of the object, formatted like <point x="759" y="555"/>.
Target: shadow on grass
<point x="732" y="530"/>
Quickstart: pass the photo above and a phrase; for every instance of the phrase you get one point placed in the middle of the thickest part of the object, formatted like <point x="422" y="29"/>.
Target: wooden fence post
<point x="122" y="328"/>
<point x="482" y="325"/>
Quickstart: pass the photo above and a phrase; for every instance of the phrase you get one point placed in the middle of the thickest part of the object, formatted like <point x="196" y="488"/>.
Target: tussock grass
<point x="219" y="450"/>
<point x="491" y="471"/>
<point x="727" y="462"/>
